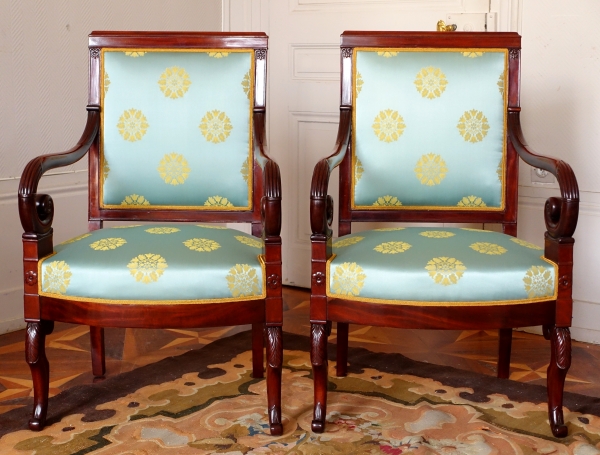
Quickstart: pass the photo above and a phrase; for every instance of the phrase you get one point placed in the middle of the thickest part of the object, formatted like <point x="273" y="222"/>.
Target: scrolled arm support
<point x="36" y="210"/>
<point x="560" y="213"/>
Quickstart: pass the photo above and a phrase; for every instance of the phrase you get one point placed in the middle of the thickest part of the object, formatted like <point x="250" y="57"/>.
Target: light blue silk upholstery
<point x="180" y="263"/>
<point x="439" y="266"/>
<point x="176" y="129"/>
<point x="429" y="129"/>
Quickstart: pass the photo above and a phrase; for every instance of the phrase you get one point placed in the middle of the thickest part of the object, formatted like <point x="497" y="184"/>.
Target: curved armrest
<point x="560" y="214"/>
<point x="271" y="200"/>
<point x="37" y="210"/>
<point x="321" y="204"/>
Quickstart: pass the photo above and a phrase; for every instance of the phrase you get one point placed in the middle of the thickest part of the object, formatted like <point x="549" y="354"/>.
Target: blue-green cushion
<point x="429" y="129"/>
<point x="176" y="129"/>
<point x="156" y="263"/>
<point x="439" y="266"/>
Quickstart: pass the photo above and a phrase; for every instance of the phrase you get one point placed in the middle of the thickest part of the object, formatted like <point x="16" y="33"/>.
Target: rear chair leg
<point x="560" y="361"/>
<point x="274" y="363"/>
<point x="258" y="335"/>
<point x="35" y="354"/>
<point x="318" y="358"/>
<point x="504" y="348"/>
<point x="341" y="366"/>
<point x="98" y="355"/>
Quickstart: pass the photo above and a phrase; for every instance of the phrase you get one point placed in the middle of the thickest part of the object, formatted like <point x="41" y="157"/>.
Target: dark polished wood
<point x="37" y="211"/>
<point x="560" y="216"/>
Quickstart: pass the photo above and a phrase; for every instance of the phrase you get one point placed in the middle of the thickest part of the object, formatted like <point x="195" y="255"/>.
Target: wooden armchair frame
<point x="36" y="213"/>
<point x="560" y="216"/>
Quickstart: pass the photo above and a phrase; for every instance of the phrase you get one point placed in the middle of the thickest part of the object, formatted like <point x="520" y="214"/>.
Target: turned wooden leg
<point x="560" y="361"/>
<point x="258" y="336"/>
<point x="274" y="362"/>
<point x="318" y="358"/>
<point x="504" y="347"/>
<point x="341" y="366"/>
<point x="35" y="354"/>
<point x="97" y="348"/>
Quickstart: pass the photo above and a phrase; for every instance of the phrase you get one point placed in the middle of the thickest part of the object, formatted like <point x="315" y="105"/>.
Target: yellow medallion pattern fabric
<point x="145" y="264"/>
<point x="450" y="266"/>
<point x="387" y="201"/>
<point x="176" y="128"/>
<point x="429" y="128"/>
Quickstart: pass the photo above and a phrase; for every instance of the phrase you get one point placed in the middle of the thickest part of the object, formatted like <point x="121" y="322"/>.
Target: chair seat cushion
<point x="439" y="266"/>
<point x="156" y="263"/>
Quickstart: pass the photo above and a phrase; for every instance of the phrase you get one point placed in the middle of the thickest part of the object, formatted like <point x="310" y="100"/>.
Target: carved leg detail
<point x="35" y="354"/>
<point x="258" y="335"/>
<point x="274" y="362"/>
<point x="318" y="358"/>
<point x="504" y="348"/>
<point x="560" y="361"/>
<point x="341" y="367"/>
<point x="98" y="356"/>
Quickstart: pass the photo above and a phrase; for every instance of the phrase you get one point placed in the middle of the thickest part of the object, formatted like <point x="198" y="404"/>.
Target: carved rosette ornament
<point x="346" y="52"/>
<point x="514" y="53"/>
<point x="274" y="347"/>
<point x="318" y="278"/>
<point x="31" y="278"/>
<point x="318" y="351"/>
<point x="274" y="281"/>
<point x="94" y="52"/>
<point x="261" y="54"/>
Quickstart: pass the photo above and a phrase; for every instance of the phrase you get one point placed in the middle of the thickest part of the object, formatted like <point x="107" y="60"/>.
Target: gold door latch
<point x="442" y="27"/>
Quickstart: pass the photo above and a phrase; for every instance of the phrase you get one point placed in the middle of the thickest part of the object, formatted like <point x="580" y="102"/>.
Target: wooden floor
<point x="68" y="351"/>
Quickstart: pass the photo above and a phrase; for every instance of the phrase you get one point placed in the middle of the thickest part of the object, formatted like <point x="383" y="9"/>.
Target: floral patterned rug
<point x="205" y="402"/>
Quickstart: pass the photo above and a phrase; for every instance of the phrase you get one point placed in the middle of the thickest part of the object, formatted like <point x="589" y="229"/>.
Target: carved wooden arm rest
<point x="37" y="210"/>
<point x="560" y="213"/>
<point x="321" y="204"/>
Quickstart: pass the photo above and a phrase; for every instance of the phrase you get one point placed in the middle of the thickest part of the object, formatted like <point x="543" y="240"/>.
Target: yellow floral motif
<point x="501" y="84"/>
<point x="174" y="82"/>
<point x="135" y="54"/>
<point x="106" y="83"/>
<point x="538" y="282"/>
<point x="431" y="169"/>
<point x="473" y="126"/>
<point x="76" y="239"/>
<point x="242" y="280"/>
<point x="108" y="244"/>
<point x="218" y="201"/>
<point x="163" y="230"/>
<point x="202" y="245"/>
<point x="246" y="84"/>
<point x="132" y="125"/>
<point x="358" y="171"/>
<point x="359" y="83"/>
<point x="147" y="267"/>
<point x="135" y="199"/>
<point x="472" y="54"/>
<point x="471" y="201"/>
<point x="431" y="82"/>
<point x="256" y="243"/>
<point x="348" y="279"/>
<point x="445" y="271"/>
<point x="210" y="226"/>
<point x="437" y="234"/>
<point x="526" y="244"/>
<point x="105" y="170"/>
<point x="488" y="248"/>
<point x="388" y="125"/>
<point x="57" y="276"/>
<point x="499" y="171"/>
<point x="218" y="54"/>
<point x="387" y="201"/>
<point x="347" y="242"/>
<point x="392" y="247"/>
<point x="387" y="54"/>
<point x="215" y="126"/>
<point x="390" y="229"/>
<point x="244" y="170"/>
<point x="173" y="169"/>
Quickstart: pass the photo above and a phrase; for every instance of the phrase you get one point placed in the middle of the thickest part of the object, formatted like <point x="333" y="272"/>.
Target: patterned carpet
<point x="205" y="402"/>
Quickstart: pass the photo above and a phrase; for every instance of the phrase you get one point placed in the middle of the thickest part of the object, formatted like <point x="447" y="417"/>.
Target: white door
<point x="304" y="86"/>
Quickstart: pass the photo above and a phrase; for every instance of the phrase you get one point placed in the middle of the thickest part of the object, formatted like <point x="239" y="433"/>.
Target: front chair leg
<point x="504" y="348"/>
<point x="97" y="348"/>
<point x="560" y="361"/>
<point x="35" y="354"/>
<point x="274" y="363"/>
<point x="318" y="359"/>
<point x="258" y="335"/>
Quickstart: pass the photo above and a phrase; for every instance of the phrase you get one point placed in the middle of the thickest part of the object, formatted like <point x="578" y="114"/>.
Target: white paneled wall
<point x="43" y="94"/>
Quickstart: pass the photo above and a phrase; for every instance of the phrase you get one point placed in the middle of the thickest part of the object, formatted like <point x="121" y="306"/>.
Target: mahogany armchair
<point x="175" y="137"/>
<point x="429" y="133"/>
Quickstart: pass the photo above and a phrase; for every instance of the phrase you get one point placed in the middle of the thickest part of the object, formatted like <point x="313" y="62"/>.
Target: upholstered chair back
<point x="176" y="129"/>
<point x="429" y="129"/>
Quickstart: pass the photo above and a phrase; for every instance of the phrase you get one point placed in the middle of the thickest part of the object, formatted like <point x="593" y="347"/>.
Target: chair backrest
<point x="429" y="123"/>
<point x="176" y="132"/>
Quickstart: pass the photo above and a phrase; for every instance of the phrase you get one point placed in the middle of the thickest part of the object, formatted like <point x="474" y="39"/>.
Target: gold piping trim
<point x="430" y="207"/>
<point x="263" y="295"/>
<point x="447" y="303"/>
<point x="250" y="134"/>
